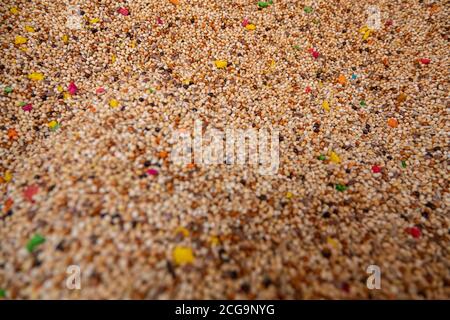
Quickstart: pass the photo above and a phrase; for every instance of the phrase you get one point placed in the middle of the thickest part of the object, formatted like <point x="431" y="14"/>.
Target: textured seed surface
<point x="85" y="144"/>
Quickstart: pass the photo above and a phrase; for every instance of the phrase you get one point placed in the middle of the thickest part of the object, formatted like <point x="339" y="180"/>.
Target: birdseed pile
<point x="92" y="92"/>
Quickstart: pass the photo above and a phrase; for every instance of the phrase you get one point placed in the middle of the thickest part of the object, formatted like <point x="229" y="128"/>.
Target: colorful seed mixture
<point x="91" y="93"/>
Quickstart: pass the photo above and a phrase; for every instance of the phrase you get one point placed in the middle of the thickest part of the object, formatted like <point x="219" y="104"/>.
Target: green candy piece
<point x="308" y="9"/>
<point x="34" y="242"/>
<point x="296" y="47"/>
<point x="403" y="164"/>
<point x="263" y="4"/>
<point x="362" y="103"/>
<point x="8" y="89"/>
<point x="321" y="157"/>
<point x="340" y="187"/>
<point x="22" y="104"/>
<point x="2" y="293"/>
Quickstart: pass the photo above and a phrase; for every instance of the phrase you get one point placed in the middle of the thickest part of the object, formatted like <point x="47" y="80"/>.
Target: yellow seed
<point x="289" y="195"/>
<point x="66" y="95"/>
<point x="272" y="64"/>
<point x="36" y="76"/>
<point x="94" y="20"/>
<point x="8" y="176"/>
<point x="29" y="29"/>
<point x="183" y="231"/>
<point x="113" y="58"/>
<point x="65" y="38"/>
<point x="182" y="255"/>
<point x="59" y="88"/>
<point x="20" y="40"/>
<point x="250" y="27"/>
<point x="366" y="34"/>
<point x="52" y="124"/>
<point x="333" y="242"/>
<point x="326" y="105"/>
<point x="113" y="103"/>
<point x="334" y="157"/>
<point x="214" y="241"/>
<point x="221" y="64"/>
<point x="14" y="10"/>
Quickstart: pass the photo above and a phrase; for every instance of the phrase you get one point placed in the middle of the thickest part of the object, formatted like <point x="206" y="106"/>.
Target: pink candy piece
<point x="27" y="107"/>
<point x="159" y="20"/>
<point x="245" y="22"/>
<point x="152" y="172"/>
<point x="123" y="11"/>
<point x="425" y="60"/>
<point x="100" y="90"/>
<point x="315" y="54"/>
<point x="72" y="88"/>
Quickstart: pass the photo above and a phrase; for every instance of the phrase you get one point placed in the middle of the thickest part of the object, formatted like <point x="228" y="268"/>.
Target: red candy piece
<point x="314" y="53"/>
<point x="376" y="169"/>
<point x="245" y="22"/>
<point x="425" y="61"/>
<point x="345" y="287"/>
<point x="30" y="191"/>
<point x="414" y="232"/>
<point x="159" y="20"/>
<point x="123" y="11"/>
<point x="308" y="89"/>
<point x="27" y="107"/>
<point x="100" y="90"/>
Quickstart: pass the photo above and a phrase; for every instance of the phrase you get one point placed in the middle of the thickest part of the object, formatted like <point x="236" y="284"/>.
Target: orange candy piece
<point x="12" y="134"/>
<point x="7" y="205"/>
<point x="163" y="154"/>
<point x="342" y="79"/>
<point x="175" y="2"/>
<point x="393" y="123"/>
<point x="401" y="97"/>
<point x="190" y="166"/>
